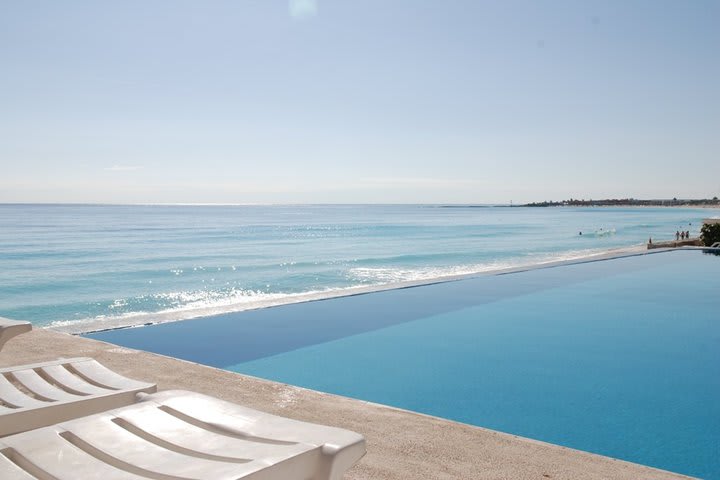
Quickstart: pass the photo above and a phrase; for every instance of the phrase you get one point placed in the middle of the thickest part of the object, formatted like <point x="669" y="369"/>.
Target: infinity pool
<point x="619" y="357"/>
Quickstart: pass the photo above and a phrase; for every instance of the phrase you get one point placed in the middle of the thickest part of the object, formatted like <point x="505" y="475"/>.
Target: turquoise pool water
<point x="618" y="357"/>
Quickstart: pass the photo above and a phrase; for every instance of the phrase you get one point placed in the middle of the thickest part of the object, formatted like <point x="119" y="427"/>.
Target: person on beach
<point x="677" y="235"/>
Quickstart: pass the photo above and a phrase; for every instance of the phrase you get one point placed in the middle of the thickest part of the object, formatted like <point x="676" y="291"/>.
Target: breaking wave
<point x="184" y="305"/>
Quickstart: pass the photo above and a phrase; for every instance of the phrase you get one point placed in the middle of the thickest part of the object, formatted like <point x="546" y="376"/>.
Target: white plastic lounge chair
<point x="715" y="245"/>
<point x="10" y="328"/>
<point x="177" y="435"/>
<point x="42" y="394"/>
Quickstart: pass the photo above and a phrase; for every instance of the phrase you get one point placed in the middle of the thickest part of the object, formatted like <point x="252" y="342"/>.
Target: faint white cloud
<point x="302" y="9"/>
<point x="123" y="168"/>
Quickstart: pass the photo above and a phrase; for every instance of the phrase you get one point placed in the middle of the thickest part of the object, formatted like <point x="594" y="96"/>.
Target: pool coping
<point x="401" y="444"/>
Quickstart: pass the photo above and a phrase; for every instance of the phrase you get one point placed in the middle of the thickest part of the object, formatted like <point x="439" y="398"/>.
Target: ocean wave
<point x="185" y="305"/>
<point x="605" y="233"/>
<point x="390" y="275"/>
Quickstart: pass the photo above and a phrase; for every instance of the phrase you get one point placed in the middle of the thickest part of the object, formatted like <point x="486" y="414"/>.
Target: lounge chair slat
<point x="105" y="377"/>
<point x="248" y="421"/>
<point x="59" y="361"/>
<point x="38" y="385"/>
<point x="51" y="453"/>
<point x="340" y="448"/>
<point x="10" y="394"/>
<point x="10" y="471"/>
<point x="35" y="413"/>
<point x="150" y="420"/>
<point x="72" y="382"/>
<point x="153" y="439"/>
<point x="128" y="448"/>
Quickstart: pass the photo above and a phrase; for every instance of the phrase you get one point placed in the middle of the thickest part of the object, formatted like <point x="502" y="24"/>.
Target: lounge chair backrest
<point x="33" y="396"/>
<point x="181" y="435"/>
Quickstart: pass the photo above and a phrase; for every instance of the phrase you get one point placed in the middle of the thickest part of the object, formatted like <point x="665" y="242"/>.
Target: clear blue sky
<point x="358" y="100"/>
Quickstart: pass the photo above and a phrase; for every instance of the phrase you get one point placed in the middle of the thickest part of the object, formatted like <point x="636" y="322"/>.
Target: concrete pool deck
<point x="401" y="444"/>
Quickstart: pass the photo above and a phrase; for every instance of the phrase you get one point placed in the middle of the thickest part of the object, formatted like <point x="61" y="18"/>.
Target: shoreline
<point x="138" y="320"/>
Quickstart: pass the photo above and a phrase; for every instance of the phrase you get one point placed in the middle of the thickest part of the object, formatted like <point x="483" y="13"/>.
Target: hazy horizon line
<point x="248" y="204"/>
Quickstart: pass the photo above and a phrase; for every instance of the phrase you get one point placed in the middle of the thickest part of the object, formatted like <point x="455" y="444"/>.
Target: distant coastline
<point x="630" y="202"/>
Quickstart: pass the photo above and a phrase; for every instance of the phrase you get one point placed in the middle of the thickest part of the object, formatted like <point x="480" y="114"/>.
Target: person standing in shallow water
<point x="677" y="235"/>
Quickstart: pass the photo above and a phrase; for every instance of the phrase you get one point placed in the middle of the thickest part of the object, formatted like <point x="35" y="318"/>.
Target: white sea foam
<point x="388" y="275"/>
<point x="605" y="233"/>
<point x="186" y="305"/>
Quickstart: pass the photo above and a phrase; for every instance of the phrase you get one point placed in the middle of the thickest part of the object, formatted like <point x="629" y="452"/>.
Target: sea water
<point x="89" y="267"/>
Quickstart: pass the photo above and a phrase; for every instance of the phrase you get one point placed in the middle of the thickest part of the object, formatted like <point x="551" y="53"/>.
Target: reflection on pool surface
<point x="618" y="357"/>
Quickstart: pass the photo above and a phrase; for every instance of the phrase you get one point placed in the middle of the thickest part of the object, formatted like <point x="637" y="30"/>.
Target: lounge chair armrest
<point x="10" y="328"/>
